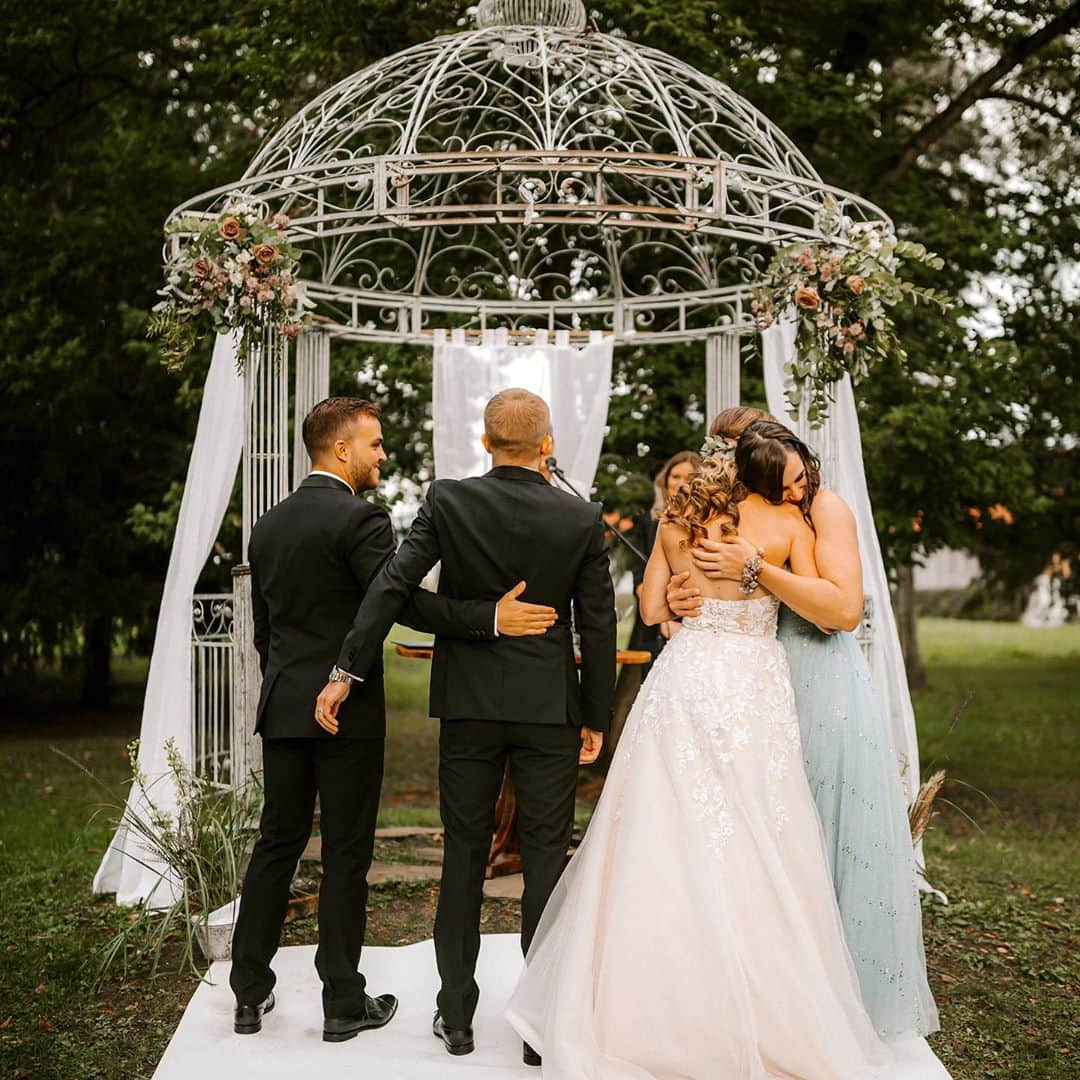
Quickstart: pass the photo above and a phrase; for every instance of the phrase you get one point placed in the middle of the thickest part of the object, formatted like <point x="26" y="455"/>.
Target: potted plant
<point x="203" y="845"/>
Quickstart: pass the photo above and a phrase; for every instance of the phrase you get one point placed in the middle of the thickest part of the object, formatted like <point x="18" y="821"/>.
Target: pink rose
<point x="856" y="284"/>
<point x="807" y="299"/>
<point x="230" y="228"/>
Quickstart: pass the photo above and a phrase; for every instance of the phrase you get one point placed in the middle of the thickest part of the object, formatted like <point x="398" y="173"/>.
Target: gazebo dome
<point x="530" y="173"/>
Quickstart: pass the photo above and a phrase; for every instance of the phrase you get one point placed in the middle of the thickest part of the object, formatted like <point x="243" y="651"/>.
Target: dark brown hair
<point x="330" y="419"/>
<point x="761" y="457"/>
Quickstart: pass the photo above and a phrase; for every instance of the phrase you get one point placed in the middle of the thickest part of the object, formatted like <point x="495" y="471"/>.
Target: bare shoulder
<point x="829" y="508"/>
<point x="671" y="534"/>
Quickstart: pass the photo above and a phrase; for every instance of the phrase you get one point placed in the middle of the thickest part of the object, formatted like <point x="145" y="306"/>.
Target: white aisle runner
<point x="290" y="1044"/>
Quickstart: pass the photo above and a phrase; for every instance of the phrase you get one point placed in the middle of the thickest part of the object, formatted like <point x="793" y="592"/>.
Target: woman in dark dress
<point x="671" y="477"/>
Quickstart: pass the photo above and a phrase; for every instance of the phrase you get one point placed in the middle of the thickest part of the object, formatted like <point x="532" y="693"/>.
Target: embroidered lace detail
<point x="756" y="617"/>
<point x="718" y="707"/>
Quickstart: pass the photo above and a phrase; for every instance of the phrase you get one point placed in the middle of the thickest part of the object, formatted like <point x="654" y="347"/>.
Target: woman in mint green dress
<point x="851" y="766"/>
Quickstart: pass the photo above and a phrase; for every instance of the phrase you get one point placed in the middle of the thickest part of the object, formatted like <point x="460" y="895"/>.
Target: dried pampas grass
<point x="922" y="809"/>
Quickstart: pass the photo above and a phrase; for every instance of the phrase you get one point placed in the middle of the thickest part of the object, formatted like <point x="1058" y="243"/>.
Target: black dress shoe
<point x="529" y="1055"/>
<point x="377" y="1013"/>
<point x="247" y="1019"/>
<point x="457" y="1041"/>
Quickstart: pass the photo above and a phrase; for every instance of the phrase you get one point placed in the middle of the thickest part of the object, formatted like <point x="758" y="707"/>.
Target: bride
<point x="695" y="934"/>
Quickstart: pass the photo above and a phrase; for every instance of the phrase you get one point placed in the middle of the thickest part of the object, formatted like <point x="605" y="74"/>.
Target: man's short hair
<point x="330" y="420"/>
<point x="516" y="422"/>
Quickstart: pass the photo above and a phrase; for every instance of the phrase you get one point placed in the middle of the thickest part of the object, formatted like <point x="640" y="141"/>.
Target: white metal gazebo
<point x="527" y="175"/>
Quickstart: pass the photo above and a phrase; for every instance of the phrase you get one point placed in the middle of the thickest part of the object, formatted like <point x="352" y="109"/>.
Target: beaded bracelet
<point x="750" y="571"/>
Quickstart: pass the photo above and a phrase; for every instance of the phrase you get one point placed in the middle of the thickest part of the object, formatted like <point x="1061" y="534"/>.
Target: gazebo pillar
<point x="266" y="428"/>
<point x="721" y="373"/>
<point x="265" y="481"/>
<point x="312" y="386"/>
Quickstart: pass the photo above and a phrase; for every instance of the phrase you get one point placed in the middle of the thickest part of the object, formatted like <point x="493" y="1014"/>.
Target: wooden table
<point x="505" y="854"/>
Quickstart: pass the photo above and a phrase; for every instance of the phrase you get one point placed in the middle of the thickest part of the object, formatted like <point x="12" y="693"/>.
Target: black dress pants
<point x="543" y="768"/>
<point x="346" y="774"/>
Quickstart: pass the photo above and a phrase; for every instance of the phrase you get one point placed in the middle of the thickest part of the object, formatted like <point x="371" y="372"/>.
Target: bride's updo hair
<point x="713" y="491"/>
<point x="731" y="423"/>
<point x="761" y="458"/>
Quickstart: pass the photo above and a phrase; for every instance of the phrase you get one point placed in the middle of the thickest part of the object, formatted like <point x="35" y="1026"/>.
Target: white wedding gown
<point x="695" y="934"/>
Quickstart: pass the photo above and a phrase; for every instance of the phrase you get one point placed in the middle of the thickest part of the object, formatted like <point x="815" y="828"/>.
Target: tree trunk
<point x="907" y="624"/>
<point x="97" y="662"/>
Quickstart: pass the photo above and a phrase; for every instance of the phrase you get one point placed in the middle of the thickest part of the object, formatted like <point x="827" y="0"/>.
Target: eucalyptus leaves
<point x="841" y="295"/>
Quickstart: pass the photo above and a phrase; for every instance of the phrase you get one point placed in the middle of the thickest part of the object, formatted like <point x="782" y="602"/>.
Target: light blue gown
<point x="856" y="784"/>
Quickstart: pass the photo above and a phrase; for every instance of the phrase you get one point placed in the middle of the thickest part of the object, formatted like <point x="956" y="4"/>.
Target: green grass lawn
<point x="999" y="714"/>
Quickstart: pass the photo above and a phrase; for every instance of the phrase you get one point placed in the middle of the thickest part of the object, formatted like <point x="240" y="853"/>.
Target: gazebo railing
<point x="212" y="686"/>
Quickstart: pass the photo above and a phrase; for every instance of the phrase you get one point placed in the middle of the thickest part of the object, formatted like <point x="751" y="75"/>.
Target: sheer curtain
<point x="575" y="382"/>
<point x="126" y="868"/>
<point x="840" y="446"/>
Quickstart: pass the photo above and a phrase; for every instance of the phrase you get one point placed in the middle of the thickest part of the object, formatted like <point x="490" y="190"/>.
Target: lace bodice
<point x="755" y="617"/>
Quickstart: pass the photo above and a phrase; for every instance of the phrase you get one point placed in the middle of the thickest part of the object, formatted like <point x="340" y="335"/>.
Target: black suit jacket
<point x="490" y="532"/>
<point x="312" y="557"/>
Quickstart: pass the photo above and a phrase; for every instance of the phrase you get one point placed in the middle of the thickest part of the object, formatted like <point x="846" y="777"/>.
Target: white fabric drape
<point x="575" y="382"/>
<point x="211" y="474"/>
<point x="840" y="446"/>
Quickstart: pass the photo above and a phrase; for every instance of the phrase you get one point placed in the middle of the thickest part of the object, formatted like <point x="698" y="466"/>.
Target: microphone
<point x="553" y="468"/>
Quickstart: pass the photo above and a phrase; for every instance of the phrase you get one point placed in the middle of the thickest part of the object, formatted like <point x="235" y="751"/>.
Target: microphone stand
<point x="553" y="468"/>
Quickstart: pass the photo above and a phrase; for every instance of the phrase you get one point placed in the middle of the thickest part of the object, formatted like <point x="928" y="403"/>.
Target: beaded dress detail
<point x="855" y="778"/>
<point x="695" y="933"/>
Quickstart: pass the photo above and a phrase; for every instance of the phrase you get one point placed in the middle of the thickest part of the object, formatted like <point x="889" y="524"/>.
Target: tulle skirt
<point x="695" y="934"/>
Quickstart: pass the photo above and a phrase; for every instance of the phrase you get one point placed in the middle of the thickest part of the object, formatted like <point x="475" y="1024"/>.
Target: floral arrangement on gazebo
<point x="235" y="271"/>
<point x="841" y="295"/>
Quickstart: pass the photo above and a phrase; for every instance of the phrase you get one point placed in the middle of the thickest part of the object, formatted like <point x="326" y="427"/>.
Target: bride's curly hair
<point x="713" y="491"/>
<point x="722" y="483"/>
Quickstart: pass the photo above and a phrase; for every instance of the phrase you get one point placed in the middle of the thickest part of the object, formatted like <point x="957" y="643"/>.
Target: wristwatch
<point x="339" y="675"/>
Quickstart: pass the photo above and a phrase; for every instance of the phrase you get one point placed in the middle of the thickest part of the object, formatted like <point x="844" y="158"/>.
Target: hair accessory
<point x="719" y="446"/>
<point x="751" y="569"/>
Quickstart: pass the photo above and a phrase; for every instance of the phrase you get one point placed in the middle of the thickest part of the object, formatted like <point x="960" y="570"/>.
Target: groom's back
<point x="494" y="531"/>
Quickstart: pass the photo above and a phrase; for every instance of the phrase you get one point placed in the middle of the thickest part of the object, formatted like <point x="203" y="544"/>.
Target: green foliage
<point x="113" y="114"/>
<point x="1002" y="954"/>
<point x="202" y="844"/>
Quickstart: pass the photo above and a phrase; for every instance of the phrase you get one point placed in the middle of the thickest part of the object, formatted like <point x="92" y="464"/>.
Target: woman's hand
<point x="723" y="559"/>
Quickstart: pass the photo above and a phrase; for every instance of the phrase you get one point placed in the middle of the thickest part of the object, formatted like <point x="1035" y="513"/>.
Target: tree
<point x="957" y="118"/>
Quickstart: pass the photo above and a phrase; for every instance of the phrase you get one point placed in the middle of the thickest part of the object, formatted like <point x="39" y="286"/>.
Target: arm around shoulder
<point x="837" y="555"/>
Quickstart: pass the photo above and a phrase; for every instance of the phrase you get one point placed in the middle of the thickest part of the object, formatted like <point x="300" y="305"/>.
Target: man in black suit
<point x="312" y="558"/>
<point x="519" y="699"/>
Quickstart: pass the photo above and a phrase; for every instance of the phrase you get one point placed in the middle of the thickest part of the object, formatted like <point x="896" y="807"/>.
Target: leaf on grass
<point x="46" y="1026"/>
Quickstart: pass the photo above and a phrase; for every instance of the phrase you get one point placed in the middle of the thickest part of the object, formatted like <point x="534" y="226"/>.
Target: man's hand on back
<point x="518" y="619"/>
<point x="683" y="601"/>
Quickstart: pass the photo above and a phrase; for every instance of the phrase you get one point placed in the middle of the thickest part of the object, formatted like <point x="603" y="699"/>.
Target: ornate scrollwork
<point x="212" y="617"/>
<point x="526" y="173"/>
